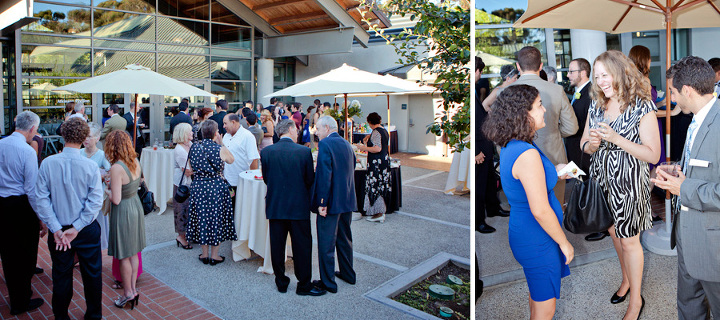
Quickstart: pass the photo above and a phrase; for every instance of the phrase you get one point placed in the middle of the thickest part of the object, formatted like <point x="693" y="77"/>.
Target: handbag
<point x="587" y="209"/>
<point x="183" y="191"/>
<point x="147" y="198"/>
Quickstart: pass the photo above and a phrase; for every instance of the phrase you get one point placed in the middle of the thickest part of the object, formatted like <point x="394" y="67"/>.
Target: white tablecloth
<point x="157" y="166"/>
<point x="460" y="177"/>
<point x="251" y="224"/>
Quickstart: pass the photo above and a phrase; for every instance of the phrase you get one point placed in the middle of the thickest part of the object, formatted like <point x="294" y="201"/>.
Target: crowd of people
<point x="86" y="196"/>
<point x="610" y="129"/>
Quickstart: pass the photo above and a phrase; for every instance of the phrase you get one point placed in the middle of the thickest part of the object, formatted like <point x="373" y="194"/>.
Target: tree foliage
<point x="440" y="45"/>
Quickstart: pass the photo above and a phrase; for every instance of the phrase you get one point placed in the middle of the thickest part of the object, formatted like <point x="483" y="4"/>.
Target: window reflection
<point x="106" y="61"/>
<point x="183" y="66"/>
<point x="221" y="14"/>
<point x="146" y="6"/>
<point x="59" y="19"/>
<point x="231" y="37"/>
<point x="231" y="91"/>
<point x="230" y="69"/>
<point x="177" y="31"/>
<point x="56" y="61"/>
<point x="195" y="9"/>
<point x="122" y="25"/>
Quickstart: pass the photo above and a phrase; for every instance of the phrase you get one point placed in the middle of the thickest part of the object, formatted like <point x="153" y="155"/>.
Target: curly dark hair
<point x="75" y="130"/>
<point x="509" y="118"/>
<point x="374" y="118"/>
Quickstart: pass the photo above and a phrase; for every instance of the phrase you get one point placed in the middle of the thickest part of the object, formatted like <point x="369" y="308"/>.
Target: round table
<point x="251" y="224"/>
<point x="460" y="176"/>
<point x="157" y="166"/>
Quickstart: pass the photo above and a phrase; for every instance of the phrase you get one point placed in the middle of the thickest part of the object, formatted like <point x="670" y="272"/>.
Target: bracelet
<point x="583" y="146"/>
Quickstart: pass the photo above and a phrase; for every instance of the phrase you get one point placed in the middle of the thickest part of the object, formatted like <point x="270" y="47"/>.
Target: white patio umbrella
<point x="135" y="79"/>
<point x="347" y="80"/>
<point x="46" y="87"/>
<point x="619" y="16"/>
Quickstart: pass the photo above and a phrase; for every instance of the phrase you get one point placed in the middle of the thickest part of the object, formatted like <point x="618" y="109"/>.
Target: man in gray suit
<point x="696" y="228"/>
<point x="560" y="120"/>
<point x="116" y="122"/>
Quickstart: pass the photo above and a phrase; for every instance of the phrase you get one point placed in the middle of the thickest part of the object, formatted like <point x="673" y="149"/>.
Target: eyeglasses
<point x="571" y="71"/>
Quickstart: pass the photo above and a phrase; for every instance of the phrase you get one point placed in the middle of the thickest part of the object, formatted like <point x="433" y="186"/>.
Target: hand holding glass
<point x="671" y="168"/>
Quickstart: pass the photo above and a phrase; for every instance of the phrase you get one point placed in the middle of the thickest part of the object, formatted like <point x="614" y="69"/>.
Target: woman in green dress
<point x="127" y="220"/>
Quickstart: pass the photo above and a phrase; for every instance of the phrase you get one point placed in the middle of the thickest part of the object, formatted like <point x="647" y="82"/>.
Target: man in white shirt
<point x="243" y="146"/>
<point x="79" y="112"/>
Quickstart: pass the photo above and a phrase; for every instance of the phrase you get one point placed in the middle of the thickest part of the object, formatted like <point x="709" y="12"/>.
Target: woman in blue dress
<point x="537" y="241"/>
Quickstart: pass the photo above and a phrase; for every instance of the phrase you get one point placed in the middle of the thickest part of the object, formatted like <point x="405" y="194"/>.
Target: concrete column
<point x="264" y="80"/>
<point x="587" y="44"/>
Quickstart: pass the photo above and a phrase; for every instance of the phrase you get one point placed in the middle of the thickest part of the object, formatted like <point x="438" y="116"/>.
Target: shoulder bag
<point x="183" y="191"/>
<point x="587" y="209"/>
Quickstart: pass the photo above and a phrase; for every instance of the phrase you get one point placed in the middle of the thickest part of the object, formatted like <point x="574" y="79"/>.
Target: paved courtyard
<point x="594" y="276"/>
<point x="178" y="286"/>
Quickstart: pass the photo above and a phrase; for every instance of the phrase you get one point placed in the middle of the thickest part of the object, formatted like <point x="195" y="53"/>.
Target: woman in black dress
<point x="211" y="212"/>
<point x="377" y="183"/>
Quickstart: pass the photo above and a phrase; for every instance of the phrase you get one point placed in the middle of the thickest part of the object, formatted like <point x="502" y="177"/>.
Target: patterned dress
<point x="211" y="213"/>
<point x="624" y="178"/>
<point x="377" y="184"/>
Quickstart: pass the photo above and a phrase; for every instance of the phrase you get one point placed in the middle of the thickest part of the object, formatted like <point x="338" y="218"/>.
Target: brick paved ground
<point x="157" y="300"/>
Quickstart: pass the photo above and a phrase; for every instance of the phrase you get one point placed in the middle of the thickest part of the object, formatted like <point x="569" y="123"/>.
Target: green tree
<point x="439" y="44"/>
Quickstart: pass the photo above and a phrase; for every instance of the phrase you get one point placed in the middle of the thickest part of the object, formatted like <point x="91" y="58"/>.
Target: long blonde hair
<point x="629" y="84"/>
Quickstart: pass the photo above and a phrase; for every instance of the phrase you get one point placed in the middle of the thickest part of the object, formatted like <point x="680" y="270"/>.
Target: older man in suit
<point x="560" y="119"/>
<point x="334" y="198"/>
<point x="696" y="228"/>
<point x="287" y="207"/>
<point x="130" y="117"/>
<point x="116" y="122"/>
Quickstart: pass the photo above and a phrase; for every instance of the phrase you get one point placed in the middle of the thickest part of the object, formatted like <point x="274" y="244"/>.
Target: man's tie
<point x="686" y="155"/>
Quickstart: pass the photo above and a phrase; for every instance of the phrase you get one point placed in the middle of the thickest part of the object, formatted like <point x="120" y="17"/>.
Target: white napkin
<point x="572" y="169"/>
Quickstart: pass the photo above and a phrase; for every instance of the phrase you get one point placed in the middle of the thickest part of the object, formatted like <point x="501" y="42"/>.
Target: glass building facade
<point x="199" y="42"/>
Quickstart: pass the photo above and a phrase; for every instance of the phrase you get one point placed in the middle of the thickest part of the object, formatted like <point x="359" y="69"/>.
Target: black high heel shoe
<point x="205" y="260"/>
<point x="137" y="299"/>
<point x="641" y="308"/>
<point x="618" y="299"/>
<point x="214" y="262"/>
<point x="122" y="301"/>
<point x="186" y="246"/>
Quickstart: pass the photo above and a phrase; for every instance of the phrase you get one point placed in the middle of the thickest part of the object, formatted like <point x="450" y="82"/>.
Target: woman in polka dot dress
<point x="211" y="213"/>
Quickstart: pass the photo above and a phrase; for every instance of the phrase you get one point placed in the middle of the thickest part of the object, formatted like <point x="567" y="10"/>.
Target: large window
<point x="497" y="45"/>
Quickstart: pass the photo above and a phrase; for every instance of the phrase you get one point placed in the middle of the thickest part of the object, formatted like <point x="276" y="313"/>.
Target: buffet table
<point x="157" y="166"/>
<point x="393" y="144"/>
<point x="251" y="224"/>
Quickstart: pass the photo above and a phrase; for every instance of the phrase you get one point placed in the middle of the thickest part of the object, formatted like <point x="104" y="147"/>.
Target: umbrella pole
<point x="135" y="120"/>
<point x="347" y="128"/>
<point x="388" y="105"/>
<point x="668" y="106"/>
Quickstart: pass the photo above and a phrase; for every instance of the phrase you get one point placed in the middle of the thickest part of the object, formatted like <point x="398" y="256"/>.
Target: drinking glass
<point x="670" y="168"/>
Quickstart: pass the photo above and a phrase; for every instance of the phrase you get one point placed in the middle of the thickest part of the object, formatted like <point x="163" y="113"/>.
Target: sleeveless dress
<point x="127" y="222"/>
<point x="540" y="256"/>
<point x="377" y="183"/>
<point x="211" y="212"/>
<point x="624" y="178"/>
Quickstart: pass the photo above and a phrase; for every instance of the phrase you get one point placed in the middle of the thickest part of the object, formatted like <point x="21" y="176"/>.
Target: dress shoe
<point x="315" y="291"/>
<point x="320" y="285"/>
<point x="656" y="219"/>
<point x="484" y="228"/>
<point x="205" y="260"/>
<point x="618" y="299"/>
<point x="32" y="305"/>
<point x="214" y="262"/>
<point x="380" y="218"/>
<point x="282" y="289"/>
<point x="338" y="275"/>
<point x="499" y="213"/>
<point x="596" y="236"/>
<point x="641" y="308"/>
<point x="39" y="270"/>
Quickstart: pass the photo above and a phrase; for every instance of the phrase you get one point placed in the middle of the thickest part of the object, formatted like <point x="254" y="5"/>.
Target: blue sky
<point x="490" y="5"/>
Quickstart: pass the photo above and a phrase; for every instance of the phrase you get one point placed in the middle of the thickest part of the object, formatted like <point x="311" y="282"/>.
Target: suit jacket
<point x="116" y="122"/>
<point x="697" y="225"/>
<point x="560" y="119"/>
<point x="178" y="119"/>
<point x="287" y="169"/>
<point x="334" y="185"/>
<point x="218" y="118"/>
<point x="572" y="143"/>
<point x="130" y="123"/>
<point x="484" y="145"/>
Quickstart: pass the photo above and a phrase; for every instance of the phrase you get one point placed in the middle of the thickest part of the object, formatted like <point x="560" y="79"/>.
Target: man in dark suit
<point x="135" y="109"/>
<point x="181" y="117"/>
<point x="221" y="107"/>
<point x="579" y="76"/>
<point x="696" y="223"/>
<point x="287" y="207"/>
<point x="334" y="198"/>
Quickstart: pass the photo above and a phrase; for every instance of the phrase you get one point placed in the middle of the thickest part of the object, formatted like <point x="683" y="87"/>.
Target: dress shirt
<point x="717" y="88"/>
<point x="77" y="115"/>
<point x="243" y="147"/>
<point x="699" y="118"/>
<point x="578" y="89"/>
<point x="69" y="190"/>
<point x="18" y="168"/>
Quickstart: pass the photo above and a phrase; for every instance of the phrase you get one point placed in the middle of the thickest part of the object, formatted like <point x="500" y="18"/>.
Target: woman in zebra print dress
<point x="622" y="135"/>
